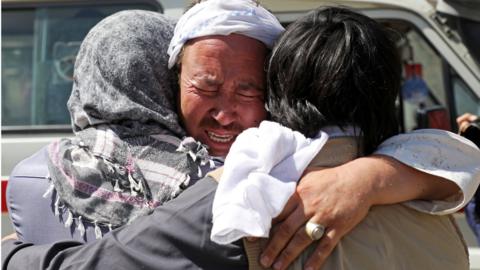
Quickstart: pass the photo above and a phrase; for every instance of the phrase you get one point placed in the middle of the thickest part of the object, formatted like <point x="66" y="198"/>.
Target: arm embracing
<point x="432" y="171"/>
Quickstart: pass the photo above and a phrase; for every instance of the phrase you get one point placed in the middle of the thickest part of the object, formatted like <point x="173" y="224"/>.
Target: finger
<point x="298" y="243"/>
<point x="472" y="117"/>
<point x="288" y="209"/>
<point x="325" y="246"/>
<point x="463" y="126"/>
<point x="280" y="236"/>
<point x="464" y="117"/>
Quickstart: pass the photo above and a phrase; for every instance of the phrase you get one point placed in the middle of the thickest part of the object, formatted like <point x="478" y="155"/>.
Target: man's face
<point x="222" y="84"/>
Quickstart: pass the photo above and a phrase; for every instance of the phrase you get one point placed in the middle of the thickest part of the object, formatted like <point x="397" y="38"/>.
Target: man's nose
<point x="225" y="112"/>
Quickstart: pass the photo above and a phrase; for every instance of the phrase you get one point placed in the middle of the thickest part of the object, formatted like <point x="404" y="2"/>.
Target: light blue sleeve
<point x="439" y="153"/>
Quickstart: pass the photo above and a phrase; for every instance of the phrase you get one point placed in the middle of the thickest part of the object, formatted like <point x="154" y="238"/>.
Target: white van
<point x="40" y="40"/>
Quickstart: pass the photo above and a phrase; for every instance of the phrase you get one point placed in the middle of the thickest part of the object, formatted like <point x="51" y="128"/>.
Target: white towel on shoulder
<point x="260" y="174"/>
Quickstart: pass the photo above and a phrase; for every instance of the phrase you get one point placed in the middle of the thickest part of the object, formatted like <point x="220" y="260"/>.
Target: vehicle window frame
<point x="35" y="5"/>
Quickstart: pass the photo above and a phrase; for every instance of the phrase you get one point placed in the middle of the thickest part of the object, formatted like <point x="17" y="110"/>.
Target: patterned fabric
<point x="125" y="158"/>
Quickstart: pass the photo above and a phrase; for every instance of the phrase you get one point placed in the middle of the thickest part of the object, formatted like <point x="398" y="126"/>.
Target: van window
<point x="17" y="57"/>
<point x="450" y="94"/>
<point x="465" y="99"/>
<point x="39" y="47"/>
<point x="428" y="67"/>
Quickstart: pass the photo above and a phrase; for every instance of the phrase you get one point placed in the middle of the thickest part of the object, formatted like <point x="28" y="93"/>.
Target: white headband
<point x="221" y="17"/>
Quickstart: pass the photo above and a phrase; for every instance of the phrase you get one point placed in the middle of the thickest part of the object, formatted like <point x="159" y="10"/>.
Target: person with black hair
<point x="335" y="67"/>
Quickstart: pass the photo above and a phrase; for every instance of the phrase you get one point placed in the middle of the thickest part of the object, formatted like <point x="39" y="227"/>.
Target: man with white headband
<point x="220" y="48"/>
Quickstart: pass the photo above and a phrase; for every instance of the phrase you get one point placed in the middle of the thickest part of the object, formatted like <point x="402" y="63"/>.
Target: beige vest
<point x="390" y="237"/>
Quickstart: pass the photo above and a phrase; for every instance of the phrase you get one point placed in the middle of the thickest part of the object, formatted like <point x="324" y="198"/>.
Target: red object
<point x="439" y="119"/>
<point x="413" y="70"/>
<point x="4" y="193"/>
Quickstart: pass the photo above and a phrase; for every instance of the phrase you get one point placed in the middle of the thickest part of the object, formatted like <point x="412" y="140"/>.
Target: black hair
<point x="336" y="67"/>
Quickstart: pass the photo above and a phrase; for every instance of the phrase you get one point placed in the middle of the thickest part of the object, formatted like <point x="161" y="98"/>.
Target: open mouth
<point x="220" y="138"/>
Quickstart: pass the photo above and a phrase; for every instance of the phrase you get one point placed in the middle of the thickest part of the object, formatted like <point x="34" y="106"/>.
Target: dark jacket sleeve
<point x="175" y="236"/>
<point x="18" y="256"/>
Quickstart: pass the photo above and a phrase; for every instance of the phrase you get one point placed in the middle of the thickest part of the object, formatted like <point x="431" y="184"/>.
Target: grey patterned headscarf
<point x="125" y="158"/>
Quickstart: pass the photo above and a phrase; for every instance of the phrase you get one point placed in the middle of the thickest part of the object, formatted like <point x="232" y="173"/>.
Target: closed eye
<point x="250" y="95"/>
<point x="205" y="86"/>
<point x="206" y="91"/>
<point x="249" y="91"/>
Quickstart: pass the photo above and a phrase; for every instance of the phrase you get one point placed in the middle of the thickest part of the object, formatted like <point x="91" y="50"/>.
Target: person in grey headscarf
<point x="126" y="157"/>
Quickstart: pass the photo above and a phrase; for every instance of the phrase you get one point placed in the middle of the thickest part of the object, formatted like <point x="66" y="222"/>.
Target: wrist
<point x="384" y="180"/>
<point x="358" y="175"/>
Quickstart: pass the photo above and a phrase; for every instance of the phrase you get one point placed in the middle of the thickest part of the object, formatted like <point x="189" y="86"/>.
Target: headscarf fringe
<point x="49" y="191"/>
<point x="186" y="181"/>
<point x="81" y="227"/>
<point x="69" y="220"/>
<point x="192" y="155"/>
<point x="197" y="152"/>
<point x="133" y="185"/>
<point x="181" y="148"/>
<point x="98" y="231"/>
<point x="56" y="206"/>
<point x="117" y="187"/>
<point x="212" y="163"/>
